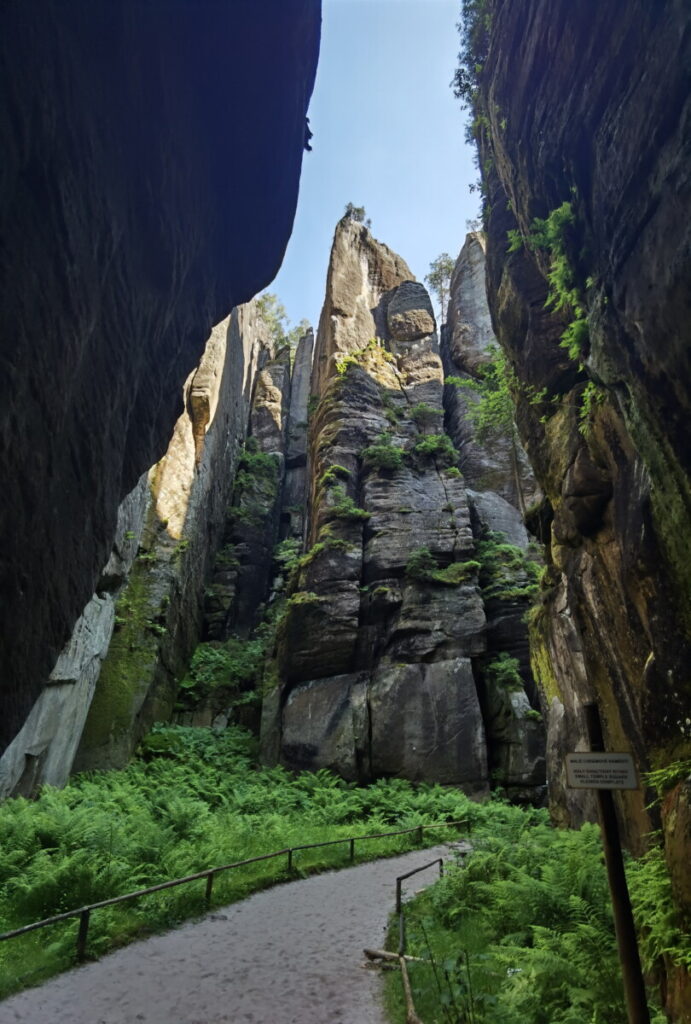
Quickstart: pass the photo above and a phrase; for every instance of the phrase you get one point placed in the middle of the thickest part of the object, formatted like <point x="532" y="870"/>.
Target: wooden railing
<point x="84" y="913"/>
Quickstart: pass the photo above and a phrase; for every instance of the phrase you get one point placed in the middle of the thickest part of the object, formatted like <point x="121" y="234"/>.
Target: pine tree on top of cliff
<point x="439" y="281"/>
<point x="358" y="214"/>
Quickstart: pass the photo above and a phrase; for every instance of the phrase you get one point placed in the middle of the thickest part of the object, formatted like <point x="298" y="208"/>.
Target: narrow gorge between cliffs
<point x="265" y="587"/>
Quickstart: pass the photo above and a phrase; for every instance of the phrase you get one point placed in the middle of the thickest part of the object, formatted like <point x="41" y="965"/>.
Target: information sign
<point x="600" y="770"/>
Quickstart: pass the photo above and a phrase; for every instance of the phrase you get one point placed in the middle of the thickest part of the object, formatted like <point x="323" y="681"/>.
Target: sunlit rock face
<point x="119" y="671"/>
<point x="378" y="666"/>
<point x="149" y="178"/>
<point x="593" y="110"/>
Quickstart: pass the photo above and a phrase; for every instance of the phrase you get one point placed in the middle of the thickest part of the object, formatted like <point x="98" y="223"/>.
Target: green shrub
<point x="503" y="671"/>
<point x="507" y="574"/>
<point x="522" y="933"/>
<point x="383" y="454"/>
<point x="423" y="414"/>
<point x="332" y="475"/>
<point x="344" y="507"/>
<point x="233" y="665"/>
<point x="423" y="566"/>
<point x="438" y="447"/>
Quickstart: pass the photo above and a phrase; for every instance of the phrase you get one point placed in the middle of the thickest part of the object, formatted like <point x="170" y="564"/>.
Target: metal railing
<point x="84" y="913"/>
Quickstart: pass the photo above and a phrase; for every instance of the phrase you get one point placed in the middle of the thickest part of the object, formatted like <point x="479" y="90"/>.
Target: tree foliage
<point x="274" y="315"/>
<point x="358" y="214"/>
<point x="439" y="281"/>
<point x="492" y="411"/>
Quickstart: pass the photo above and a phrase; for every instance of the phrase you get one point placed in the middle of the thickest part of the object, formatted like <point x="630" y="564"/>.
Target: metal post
<point x="632" y="974"/>
<point x="398" y="895"/>
<point x="82" y="934"/>
<point x="290" y="859"/>
<point x="209" y="886"/>
<point x="352" y="849"/>
<point x="441" y="867"/>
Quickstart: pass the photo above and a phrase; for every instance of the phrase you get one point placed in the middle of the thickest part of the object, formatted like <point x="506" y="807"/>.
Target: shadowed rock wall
<point x="151" y="157"/>
<point x="591" y="106"/>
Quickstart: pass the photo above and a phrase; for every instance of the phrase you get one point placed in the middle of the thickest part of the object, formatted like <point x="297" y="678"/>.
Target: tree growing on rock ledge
<point x="358" y="214"/>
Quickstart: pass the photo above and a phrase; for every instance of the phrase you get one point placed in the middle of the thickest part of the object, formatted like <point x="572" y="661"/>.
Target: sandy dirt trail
<point x="287" y="955"/>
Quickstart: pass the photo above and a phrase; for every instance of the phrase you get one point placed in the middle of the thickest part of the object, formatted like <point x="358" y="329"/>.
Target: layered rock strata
<point x="584" y="122"/>
<point x="380" y="647"/>
<point x="151" y="157"/>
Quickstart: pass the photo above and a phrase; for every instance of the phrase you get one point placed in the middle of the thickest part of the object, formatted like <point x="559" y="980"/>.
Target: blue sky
<point x="388" y="135"/>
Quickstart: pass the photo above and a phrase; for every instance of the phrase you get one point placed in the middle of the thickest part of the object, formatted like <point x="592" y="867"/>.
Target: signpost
<point x="600" y="770"/>
<point x="604" y="772"/>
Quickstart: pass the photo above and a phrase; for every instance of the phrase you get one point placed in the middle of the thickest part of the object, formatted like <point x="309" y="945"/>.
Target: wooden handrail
<point x="84" y="913"/>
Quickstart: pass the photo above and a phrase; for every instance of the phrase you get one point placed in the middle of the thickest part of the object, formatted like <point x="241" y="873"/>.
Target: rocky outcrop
<point x="493" y="459"/>
<point x="159" y="600"/>
<point x="378" y="665"/>
<point x="584" y="124"/>
<point x="243" y="569"/>
<point x="149" y="181"/>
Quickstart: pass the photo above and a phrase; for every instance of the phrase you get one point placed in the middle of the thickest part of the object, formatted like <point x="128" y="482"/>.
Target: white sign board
<point x="600" y="770"/>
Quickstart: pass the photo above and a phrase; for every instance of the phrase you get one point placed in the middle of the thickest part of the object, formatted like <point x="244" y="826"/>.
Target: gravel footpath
<point x="287" y="955"/>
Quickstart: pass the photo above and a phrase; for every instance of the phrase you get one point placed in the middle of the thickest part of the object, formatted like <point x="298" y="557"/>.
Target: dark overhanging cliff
<point x="151" y="159"/>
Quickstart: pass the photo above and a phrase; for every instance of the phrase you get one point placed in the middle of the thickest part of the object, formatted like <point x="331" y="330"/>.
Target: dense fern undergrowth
<point x="522" y="932"/>
<point x="193" y="800"/>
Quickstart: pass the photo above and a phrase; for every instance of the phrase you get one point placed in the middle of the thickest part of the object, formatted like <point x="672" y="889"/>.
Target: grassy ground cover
<point x="193" y="800"/>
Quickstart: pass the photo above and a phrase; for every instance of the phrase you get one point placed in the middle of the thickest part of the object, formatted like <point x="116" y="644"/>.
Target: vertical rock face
<point x="158" y="608"/>
<point x="151" y="157"/>
<point x="295" y="483"/>
<point x="591" y="109"/>
<point x="380" y="647"/>
<point x="496" y="461"/>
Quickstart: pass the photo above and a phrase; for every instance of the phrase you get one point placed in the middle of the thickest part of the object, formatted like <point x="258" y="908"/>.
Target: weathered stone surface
<point x="242" y="572"/>
<point x="426" y="724"/>
<point x="492" y="513"/>
<point x="515" y="742"/>
<point x="468" y="320"/>
<point x="159" y="606"/>
<point x="296" y="448"/>
<point x="295" y="482"/>
<point x="495" y="462"/>
<point x="326" y="725"/>
<point x="361" y="271"/>
<point x="44" y="749"/>
<point x="149" y="182"/>
<point x="409" y="510"/>
<point x="409" y="315"/>
<point x="619" y="495"/>
<point x="383" y="488"/>
<point x="619" y="491"/>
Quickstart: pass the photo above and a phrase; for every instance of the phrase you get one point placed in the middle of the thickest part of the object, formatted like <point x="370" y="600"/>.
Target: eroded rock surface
<point x="159" y="600"/>
<point x="382" y="650"/>
<point x="593" y="111"/>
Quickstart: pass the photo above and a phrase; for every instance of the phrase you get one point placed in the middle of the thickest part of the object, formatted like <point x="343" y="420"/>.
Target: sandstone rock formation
<point x="583" y="122"/>
<point x="151" y="156"/>
<point x="92" y="715"/>
<point x="382" y="665"/>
